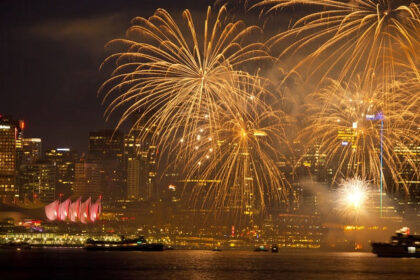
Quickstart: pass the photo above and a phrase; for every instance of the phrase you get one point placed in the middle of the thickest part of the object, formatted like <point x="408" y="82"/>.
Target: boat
<point x="260" y="249"/>
<point x="402" y="245"/>
<point x="137" y="244"/>
<point x="274" y="248"/>
<point x="216" y="249"/>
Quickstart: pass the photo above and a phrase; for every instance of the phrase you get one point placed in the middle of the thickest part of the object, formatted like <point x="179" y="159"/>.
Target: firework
<point x="353" y="195"/>
<point x="350" y="122"/>
<point x="206" y="115"/>
<point x="342" y="38"/>
<point x="174" y="75"/>
<point x="242" y="160"/>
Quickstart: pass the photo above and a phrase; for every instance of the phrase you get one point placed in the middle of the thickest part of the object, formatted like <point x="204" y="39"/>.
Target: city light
<point x="220" y="131"/>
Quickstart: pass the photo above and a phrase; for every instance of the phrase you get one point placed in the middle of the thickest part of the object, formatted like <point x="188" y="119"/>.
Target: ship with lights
<point x="402" y="245"/>
<point x="136" y="244"/>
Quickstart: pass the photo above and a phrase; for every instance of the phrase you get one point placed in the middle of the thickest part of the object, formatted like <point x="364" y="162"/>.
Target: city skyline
<point x="51" y="53"/>
<point x="210" y="139"/>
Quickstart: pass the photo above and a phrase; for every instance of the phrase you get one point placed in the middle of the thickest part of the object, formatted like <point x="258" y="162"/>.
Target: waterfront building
<point x="294" y="231"/>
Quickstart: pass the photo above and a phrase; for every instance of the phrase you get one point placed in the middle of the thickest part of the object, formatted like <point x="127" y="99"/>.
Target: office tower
<point x="8" y="135"/>
<point x="88" y="179"/>
<point x="31" y="150"/>
<point x="106" y="144"/>
<point x="64" y="159"/>
<point x="106" y="149"/>
<point x="140" y="162"/>
<point x="38" y="180"/>
<point x="134" y="173"/>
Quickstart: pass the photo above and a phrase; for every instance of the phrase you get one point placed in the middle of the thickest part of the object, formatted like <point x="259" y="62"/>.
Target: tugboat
<point x="138" y="244"/>
<point x="402" y="245"/>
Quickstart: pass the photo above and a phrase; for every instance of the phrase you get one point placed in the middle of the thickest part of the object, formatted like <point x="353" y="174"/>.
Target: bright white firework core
<point x="354" y="193"/>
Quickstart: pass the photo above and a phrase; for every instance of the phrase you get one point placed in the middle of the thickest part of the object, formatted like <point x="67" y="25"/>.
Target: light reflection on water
<point x="236" y="265"/>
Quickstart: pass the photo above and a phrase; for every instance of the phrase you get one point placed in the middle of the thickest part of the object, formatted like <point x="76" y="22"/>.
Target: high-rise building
<point x="8" y="135"/>
<point x="134" y="173"/>
<point x="31" y="150"/>
<point x="140" y="165"/>
<point x="106" y="149"/>
<point x="407" y="198"/>
<point x="87" y="179"/>
<point x="106" y="145"/>
<point x="38" y="180"/>
<point x="64" y="159"/>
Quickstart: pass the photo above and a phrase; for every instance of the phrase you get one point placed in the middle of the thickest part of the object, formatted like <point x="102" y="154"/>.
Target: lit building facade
<point x="31" y="150"/>
<point x="8" y="135"/>
<point x="38" y="180"/>
<point x="141" y="168"/>
<point x="64" y="160"/>
<point x="106" y="149"/>
<point x="87" y="179"/>
<point x="134" y="169"/>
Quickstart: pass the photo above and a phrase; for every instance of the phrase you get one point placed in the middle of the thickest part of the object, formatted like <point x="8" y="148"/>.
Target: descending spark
<point x="242" y="158"/>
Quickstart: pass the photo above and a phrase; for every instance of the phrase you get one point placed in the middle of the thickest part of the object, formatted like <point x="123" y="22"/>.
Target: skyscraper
<point x="38" y="179"/>
<point x="106" y="145"/>
<point x="87" y="179"/>
<point x="106" y="149"/>
<point x="140" y="167"/>
<point x="31" y="150"/>
<point x="64" y="160"/>
<point x="133" y="178"/>
<point x="8" y="135"/>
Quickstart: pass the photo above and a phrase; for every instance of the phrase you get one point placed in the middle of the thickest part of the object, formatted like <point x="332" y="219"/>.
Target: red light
<point x="22" y="125"/>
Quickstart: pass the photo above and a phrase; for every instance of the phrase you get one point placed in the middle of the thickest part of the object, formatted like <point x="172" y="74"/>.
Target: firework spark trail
<point x="351" y="37"/>
<point x="241" y="159"/>
<point x="175" y="76"/>
<point x="198" y="106"/>
<point x="344" y="120"/>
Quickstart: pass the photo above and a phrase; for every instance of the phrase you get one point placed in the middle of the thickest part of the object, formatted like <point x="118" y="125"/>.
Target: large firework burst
<point x="242" y="158"/>
<point x="349" y="122"/>
<point x="175" y="74"/>
<point x="343" y="38"/>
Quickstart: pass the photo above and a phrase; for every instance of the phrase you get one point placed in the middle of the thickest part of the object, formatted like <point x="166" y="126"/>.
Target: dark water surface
<point x="77" y="264"/>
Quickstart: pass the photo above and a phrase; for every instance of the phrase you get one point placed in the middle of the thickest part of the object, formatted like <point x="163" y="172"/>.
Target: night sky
<point x="50" y="57"/>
